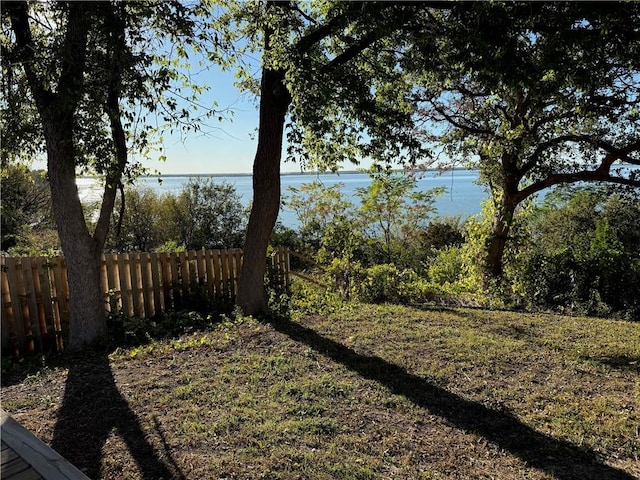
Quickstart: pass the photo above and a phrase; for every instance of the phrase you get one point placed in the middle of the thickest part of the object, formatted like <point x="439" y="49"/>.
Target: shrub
<point x="380" y="284"/>
<point x="170" y="246"/>
<point x="446" y="267"/>
<point x="443" y="232"/>
<point x="584" y="256"/>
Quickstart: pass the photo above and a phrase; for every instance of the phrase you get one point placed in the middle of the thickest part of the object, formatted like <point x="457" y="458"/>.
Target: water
<point x="463" y="197"/>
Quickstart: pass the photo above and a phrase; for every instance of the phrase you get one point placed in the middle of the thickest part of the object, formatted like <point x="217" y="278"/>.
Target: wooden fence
<point x="35" y="293"/>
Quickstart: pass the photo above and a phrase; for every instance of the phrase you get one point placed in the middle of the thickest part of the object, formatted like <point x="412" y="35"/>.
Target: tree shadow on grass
<point x="559" y="458"/>
<point x="619" y="362"/>
<point x="91" y="409"/>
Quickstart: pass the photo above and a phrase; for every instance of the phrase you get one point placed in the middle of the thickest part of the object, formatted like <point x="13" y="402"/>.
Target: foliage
<point x="337" y="65"/>
<point x="156" y="90"/>
<point x="26" y="206"/>
<point x="204" y="214"/>
<point x="385" y="225"/>
<point x="584" y="254"/>
<point x="447" y="266"/>
<point x="327" y="77"/>
<point x="317" y="207"/>
<point x="443" y="232"/>
<point x="544" y="95"/>
<point x="392" y="215"/>
<point x="170" y="246"/>
<point x="137" y="225"/>
<point x="86" y="75"/>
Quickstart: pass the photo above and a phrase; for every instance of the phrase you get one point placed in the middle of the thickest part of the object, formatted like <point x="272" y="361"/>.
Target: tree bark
<point x="87" y="322"/>
<point x="58" y="116"/>
<point x="274" y="102"/>
<point x="509" y="200"/>
<point x="493" y="264"/>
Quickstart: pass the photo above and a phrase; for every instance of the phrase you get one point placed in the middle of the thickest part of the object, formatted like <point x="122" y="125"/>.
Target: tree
<point x="138" y="227"/>
<point x="317" y="207"/>
<point x="80" y="71"/>
<point x="583" y="253"/>
<point x="392" y="213"/>
<point x="320" y="62"/>
<point x="546" y="94"/>
<point x="26" y="204"/>
<point x="205" y="214"/>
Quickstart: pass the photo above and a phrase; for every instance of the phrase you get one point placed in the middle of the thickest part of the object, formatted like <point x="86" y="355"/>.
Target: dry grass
<point x="367" y="392"/>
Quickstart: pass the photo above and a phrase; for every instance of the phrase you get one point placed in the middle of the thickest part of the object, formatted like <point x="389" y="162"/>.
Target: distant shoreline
<point x="282" y="174"/>
<point x="310" y="174"/>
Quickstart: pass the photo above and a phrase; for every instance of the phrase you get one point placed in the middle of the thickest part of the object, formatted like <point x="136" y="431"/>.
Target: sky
<point x="225" y="147"/>
<point x="229" y="146"/>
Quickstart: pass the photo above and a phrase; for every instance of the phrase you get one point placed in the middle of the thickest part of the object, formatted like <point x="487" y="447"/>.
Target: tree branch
<point x="113" y="181"/>
<point x="24" y="53"/>
<point x="584" y="176"/>
<point x="467" y="128"/>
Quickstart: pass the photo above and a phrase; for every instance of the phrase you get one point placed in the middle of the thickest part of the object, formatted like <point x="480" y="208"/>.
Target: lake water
<point x="463" y="196"/>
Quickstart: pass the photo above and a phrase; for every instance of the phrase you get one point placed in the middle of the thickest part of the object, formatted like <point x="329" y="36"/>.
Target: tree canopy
<point x="79" y="78"/>
<point x="533" y="95"/>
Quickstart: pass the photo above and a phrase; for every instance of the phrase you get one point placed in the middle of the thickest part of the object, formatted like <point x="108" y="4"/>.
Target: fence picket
<point x="113" y="302"/>
<point x="28" y="292"/>
<point x="217" y="271"/>
<point x="155" y="286"/>
<point x="35" y="292"/>
<point x="184" y="275"/>
<point x="165" y="273"/>
<point x="43" y="292"/>
<point x="175" y="280"/>
<point x="202" y="268"/>
<point x="55" y="269"/>
<point x="194" y="275"/>
<point x="125" y="284"/>
<point x="237" y="255"/>
<point x="147" y="286"/>
<point x="136" y="285"/>
<point x="32" y="302"/>
<point x="9" y="333"/>
<point x="208" y="261"/>
<point x="13" y="264"/>
<point x="224" y="261"/>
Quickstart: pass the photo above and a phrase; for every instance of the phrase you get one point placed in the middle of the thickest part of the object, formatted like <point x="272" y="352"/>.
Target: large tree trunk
<point x="87" y="322"/>
<point x="496" y="243"/>
<point x="57" y="111"/>
<point x="274" y="102"/>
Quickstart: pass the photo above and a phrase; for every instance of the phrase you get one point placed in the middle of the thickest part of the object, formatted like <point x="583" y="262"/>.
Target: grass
<point x="366" y="392"/>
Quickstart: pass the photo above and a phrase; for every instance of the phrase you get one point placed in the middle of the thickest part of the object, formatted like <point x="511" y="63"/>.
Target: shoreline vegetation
<point x="316" y="173"/>
<point x="282" y="174"/>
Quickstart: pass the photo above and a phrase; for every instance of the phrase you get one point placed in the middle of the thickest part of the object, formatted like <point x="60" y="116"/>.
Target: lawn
<point x="367" y="392"/>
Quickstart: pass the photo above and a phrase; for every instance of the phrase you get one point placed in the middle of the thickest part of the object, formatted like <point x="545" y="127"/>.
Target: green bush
<point x="380" y="284"/>
<point x="170" y="246"/>
<point x="443" y="232"/>
<point x="584" y="256"/>
<point x="446" y="267"/>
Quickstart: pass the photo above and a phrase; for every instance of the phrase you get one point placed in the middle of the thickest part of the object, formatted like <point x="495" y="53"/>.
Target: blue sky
<point x="226" y="147"/>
